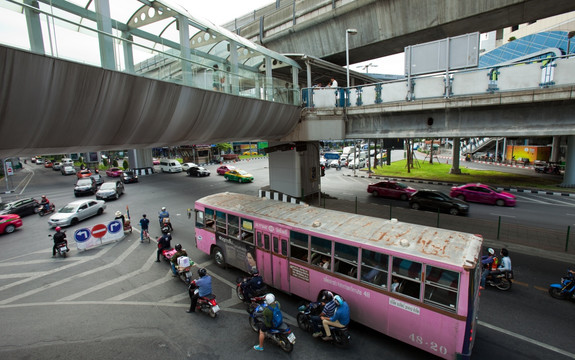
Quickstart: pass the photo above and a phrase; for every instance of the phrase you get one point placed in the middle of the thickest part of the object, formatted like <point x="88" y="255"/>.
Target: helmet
<point x="202" y="272"/>
<point x="254" y="271"/>
<point x="163" y="208"/>
<point x="43" y="196"/>
<point x="58" y="229"/>
<point x="118" y="213"/>
<point x="327" y="296"/>
<point x="491" y="251"/>
<point x="270" y="298"/>
<point x="337" y="300"/>
<point x="178" y="247"/>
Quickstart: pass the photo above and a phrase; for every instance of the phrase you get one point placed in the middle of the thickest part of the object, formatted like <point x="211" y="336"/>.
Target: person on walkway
<point x="144" y="225"/>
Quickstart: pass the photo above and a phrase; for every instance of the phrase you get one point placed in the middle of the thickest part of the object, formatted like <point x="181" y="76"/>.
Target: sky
<point x="221" y="11"/>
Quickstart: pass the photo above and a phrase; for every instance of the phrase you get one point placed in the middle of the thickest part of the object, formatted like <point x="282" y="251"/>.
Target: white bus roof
<point x="446" y="246"/>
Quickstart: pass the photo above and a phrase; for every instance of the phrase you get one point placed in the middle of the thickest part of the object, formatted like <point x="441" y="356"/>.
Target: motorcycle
<point x="259" y="296"/>
<point x="501" y="281"/>
<point x="41" y="210"/>
<point x="282" y="336"/>
<point x="206" y="304"/>
<point x="61" y="248"/>
<point x="167" y="225"/>
<point x="340" y="336"/>
<point x="564" y="290"/>
<point x="184" y="272"/>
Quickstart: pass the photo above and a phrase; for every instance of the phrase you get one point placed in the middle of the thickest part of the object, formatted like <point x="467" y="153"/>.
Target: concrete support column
<point x="141" y="161"/>
<point x="569" y="177"/>
<point x="555" y="149"/>
<point x="34" y="28"/>
<point x="184" y="32"/>
<point x="455" y="154"/>
<point x="106" y="43"/>
<point x="295" y="173"/>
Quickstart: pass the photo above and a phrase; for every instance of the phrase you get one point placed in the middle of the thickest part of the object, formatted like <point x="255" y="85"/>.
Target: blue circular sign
<point x="82" y="235"/>
<point x="115" y="227"/>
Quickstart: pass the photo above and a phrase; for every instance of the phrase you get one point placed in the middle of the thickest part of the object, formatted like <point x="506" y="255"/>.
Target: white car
<point x="356" y="163"/>
<point x="188" y="165"/>
<point x="77" y="211"/>
<point x="67" y="170"/>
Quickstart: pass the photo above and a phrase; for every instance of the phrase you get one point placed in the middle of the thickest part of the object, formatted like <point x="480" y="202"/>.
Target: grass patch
<point x="440" y="172"/>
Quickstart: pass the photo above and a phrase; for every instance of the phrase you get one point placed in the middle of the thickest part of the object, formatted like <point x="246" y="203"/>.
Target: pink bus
<point x="417" y="284"/>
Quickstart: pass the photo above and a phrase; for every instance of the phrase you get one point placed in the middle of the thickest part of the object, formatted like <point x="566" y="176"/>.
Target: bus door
<point x="280" y="271"/>
<point x="263" y="256"/>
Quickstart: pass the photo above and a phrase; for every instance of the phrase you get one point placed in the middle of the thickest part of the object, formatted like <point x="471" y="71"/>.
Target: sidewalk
<point x="16" y="183"/>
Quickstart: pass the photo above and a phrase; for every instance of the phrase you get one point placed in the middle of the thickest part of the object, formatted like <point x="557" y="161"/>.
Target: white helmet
<point x="163" y="208"/>
<point x="270" y="298"/>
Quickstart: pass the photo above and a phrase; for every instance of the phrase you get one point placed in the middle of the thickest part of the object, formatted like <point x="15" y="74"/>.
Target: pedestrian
<point x="333" y="83"/>
<point x="144" y="225"/>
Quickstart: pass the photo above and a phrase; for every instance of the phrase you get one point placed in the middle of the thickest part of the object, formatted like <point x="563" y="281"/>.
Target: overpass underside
<point x="53" y="106"/>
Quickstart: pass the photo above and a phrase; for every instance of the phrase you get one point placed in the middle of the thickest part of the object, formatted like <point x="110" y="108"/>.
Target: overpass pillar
<point x="569" y="176"/>
<point x="141" y="161"/>
<point x="555" y="146"/>
<point x="294" y="170"/>
<point x="455" y="154"/>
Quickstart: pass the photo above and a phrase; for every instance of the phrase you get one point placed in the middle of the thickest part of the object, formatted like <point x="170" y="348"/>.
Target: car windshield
<point x="493" y="189"/>
<point x="6" y="207"/>
<point x="242" y="172"/>
<point x="442" y="195"/>
<point x="108" y="186"/>
<point x="84" y="182"/>
<point x="401" y="185"/>
<point x="67" y="209"/>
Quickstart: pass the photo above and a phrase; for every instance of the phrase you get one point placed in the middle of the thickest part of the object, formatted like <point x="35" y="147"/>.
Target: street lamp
<point x="347" y="32"/>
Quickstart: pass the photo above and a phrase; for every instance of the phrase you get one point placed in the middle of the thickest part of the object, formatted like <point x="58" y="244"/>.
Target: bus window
<point x="221" y="222"/>
<point x="247" y="231"/>
<point x="284" y="247"/>
<point x="345" y="260"/>
<point x="441" y="287"/>
<point x="266" y="241"/>
<point x="374" y="268"/>
<point x="260" y="240"/>
<point x="234" y="226"/>
<point x="199" y="219"/>
<point x="210" y="220"/>
<point x="276" y="244"/>
<point x="320" y="250"/>
<point x="299" y="246"/>
<point x="409" y="275"/>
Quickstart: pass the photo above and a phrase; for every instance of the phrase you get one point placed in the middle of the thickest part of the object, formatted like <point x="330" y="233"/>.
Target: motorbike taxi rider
<point x="45" y="203"/>
<point x="174" y="259"/>
<point x="164" y="214"/>
<point x="59" y="238"/>
<point x="163" y="244"/>
<point x="204" y="285"/>
<point x="266" y="322"/>
<point x="327" y="311"/>
<point x="340" y="319"/>
<point x="251" y="286"/>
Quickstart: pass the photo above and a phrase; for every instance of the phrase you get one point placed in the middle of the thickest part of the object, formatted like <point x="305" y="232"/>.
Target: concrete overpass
<point x="385" y="27"/>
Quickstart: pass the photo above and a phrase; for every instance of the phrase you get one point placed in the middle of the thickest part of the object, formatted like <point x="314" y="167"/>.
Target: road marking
<point x="541" y="288"/>
<point x="529" y="340"/>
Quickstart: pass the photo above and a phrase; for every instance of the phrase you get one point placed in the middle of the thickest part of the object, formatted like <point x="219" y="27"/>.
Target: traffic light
<point x="322" y="170"/>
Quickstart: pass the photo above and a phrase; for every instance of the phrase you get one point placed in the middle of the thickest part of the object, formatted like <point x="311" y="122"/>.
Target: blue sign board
<point x="331" y="156"/>
<point x="82" y="234"/>
<point x="115" y="227"/>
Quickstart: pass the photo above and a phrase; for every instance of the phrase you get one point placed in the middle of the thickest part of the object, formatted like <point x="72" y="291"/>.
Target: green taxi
<point x="238" y="175"/>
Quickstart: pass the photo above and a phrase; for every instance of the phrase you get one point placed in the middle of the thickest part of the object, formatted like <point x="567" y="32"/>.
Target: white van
<point x="67" y="162"/>
<point x="170" y="165"/>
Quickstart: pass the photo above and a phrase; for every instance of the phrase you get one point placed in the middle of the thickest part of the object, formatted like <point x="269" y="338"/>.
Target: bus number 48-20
<point x="432" y="345"/>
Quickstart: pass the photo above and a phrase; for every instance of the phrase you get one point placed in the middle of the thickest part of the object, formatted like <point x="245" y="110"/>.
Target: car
<point x="110" y="190"/>
<point x="85" y="173"/>
<point x="76" y="211"/>
<point x="98" y="178"/>
<point x="436" y="200"/>
<point x="20" y="207"/>
<point x="67" y="170"/>
<point x="333" y="163"/>
<point x="129" y="177"/>
<point x="482" y="193"/>
<point x="188" y="165"/>
<point x="391" y="189"/>
<point x="198" y="171"/>
<point x="56" y="165"/>
<point x="356" y="163"/>
<point x="224" y="169"/>
<point x="39" y="161"/>
<point x="114" y="172"/>
<point x="155" y="161"/>
<point x="85" y="186"/>
<point x="48" y="164"/>
<point x="9" y="223"/>
<point x="238" y="175"/>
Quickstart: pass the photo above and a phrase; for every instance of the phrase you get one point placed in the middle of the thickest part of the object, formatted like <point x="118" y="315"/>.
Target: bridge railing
<point x="515" y="77"/>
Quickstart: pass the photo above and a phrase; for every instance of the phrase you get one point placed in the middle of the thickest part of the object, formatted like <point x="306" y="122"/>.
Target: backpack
<point x="277" y="317"/>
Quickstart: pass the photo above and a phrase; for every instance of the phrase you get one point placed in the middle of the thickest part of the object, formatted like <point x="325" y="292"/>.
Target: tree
<point x="224" y="147"/>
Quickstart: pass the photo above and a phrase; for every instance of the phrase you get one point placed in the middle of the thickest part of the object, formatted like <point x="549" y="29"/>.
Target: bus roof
<point x="441" y="245"/>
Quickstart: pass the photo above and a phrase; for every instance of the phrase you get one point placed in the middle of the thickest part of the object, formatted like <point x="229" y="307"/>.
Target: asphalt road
<point x="115" y="302"/>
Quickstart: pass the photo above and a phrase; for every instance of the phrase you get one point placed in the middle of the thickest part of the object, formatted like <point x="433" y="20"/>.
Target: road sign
<point x="98" y="231"/>
<point x="82" y="234"/>
<point x="9" y="169"/>
<point x="115" y="227"/>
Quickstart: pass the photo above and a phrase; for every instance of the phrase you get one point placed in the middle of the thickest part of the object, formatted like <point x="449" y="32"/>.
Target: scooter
<point x="206" y="304"/>
<point x="259" y="296"/>
<point x="282" y="336"/>
<point x="61" y="248"/>
<point x="41" y="210"/>
<point x="340" y="336"/>
<point x="564" y="290"/>
<point x="501" y="281"/>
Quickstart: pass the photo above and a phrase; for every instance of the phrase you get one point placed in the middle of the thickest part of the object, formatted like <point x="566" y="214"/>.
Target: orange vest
<point x="494" y="263"/>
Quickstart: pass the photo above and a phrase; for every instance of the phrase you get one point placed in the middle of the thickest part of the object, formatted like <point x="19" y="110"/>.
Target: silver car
<point x="67" y="170"/>
<point x="76" y="211"/>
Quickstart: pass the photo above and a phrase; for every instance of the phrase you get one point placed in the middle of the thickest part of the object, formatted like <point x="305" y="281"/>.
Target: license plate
<point x="291" y="338"/>
<point x="216" y="308"/>
<point x="63" y="248"/>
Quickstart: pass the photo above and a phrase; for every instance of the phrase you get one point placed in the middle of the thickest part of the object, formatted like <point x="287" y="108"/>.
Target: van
<point x="67" y="162"/>
<point x="170" y="165"/>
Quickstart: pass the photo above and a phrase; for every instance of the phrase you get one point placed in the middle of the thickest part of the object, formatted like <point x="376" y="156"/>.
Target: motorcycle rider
<point x="487" y="262"/>
<point x="59" y="238"/>
<point x="204" y="285"/>
<point x="251" y="286"/>
<point x="164" y="214"/>
<point x="174" y="259"/>
<point x="45" y="203"/>
<point x="163" y="244"/>
<point x="340" y="319"/>
<point x="328" y="310"/>
<point x="504" y="265"/>
<point x="267" y="319"/>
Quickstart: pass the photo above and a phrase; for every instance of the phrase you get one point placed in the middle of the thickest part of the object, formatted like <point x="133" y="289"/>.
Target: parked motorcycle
<point x="564" y="290"/>
<point x="41" y="210"/>
<point x="501" y="281"/>
<point x="206" y="304"/>
<point x="282" y="336"/>
<point x="259" y="296"/>
<point x="340" y="336"/>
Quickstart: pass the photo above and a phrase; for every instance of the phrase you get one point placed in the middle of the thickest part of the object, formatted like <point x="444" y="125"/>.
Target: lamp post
<point x="347" y="32"/>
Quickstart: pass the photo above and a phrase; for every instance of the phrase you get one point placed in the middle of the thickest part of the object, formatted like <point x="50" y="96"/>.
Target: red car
<point x="48" y="164"/>
<point x="86" y="173"/>
<point x="9" y="223"/>
<point x="114" y="172"/>
<point x="482" y="193"/>
<point x="391" y="189"/>
<point x="224" y="169"/>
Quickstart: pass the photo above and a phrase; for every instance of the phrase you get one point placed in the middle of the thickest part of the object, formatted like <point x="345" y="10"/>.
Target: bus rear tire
<point x="219" y="257"/>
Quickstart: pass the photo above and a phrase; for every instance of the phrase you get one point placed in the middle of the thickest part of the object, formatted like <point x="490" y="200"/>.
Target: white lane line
<point x="529" y="340"/>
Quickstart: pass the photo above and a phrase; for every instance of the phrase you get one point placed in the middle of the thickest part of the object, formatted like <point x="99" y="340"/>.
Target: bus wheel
<point x="219" y="257"/>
